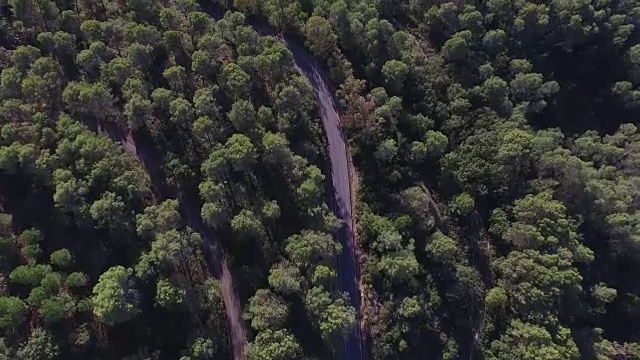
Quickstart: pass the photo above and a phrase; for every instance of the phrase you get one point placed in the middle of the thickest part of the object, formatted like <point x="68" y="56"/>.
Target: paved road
<point x="307" y="66"/>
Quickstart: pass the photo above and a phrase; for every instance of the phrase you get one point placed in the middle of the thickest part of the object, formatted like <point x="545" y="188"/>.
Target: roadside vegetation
<point x="108" y="253"/>
<point x="145" y="146"/>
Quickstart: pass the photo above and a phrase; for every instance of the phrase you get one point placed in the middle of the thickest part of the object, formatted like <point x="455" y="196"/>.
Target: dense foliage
<point x="499" y="171"/>
<point x="114" y="254"/>
<point x="144" y="144"/>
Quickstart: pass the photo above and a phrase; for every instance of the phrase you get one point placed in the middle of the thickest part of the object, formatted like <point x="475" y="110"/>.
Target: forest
<point x="167" y="188"/>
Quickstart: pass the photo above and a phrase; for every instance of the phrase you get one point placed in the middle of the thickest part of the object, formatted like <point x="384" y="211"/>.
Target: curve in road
<point x="338" y="156"/>
<point x="307" y="66"/>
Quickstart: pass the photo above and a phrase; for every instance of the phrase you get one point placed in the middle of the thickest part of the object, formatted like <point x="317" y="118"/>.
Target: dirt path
<point x="343" y="193"/>
<point x="217" y="262"/>
<point x="232" y="307"/>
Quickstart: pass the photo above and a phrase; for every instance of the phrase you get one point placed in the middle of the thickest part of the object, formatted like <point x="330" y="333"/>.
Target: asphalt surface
<point x="337" y="150"/>
<point x="307" y="66"/>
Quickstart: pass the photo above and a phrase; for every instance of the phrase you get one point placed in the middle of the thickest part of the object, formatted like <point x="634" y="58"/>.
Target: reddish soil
<point x="221" y="269"/>
<point x="232" y="307"/>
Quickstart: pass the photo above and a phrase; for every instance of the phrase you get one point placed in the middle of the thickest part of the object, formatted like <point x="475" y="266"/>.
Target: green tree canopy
<point x="115" y="300"/>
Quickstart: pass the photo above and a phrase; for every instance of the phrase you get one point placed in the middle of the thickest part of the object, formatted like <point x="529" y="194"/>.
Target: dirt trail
<point x="232" y="307"/>
<point x="344" y="195"/>
<point x="146" y="155"/>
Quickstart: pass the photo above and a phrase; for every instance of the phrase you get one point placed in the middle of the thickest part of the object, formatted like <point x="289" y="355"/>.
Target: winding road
<point x="306" y="65"/>
<point x="337" y="151"/>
